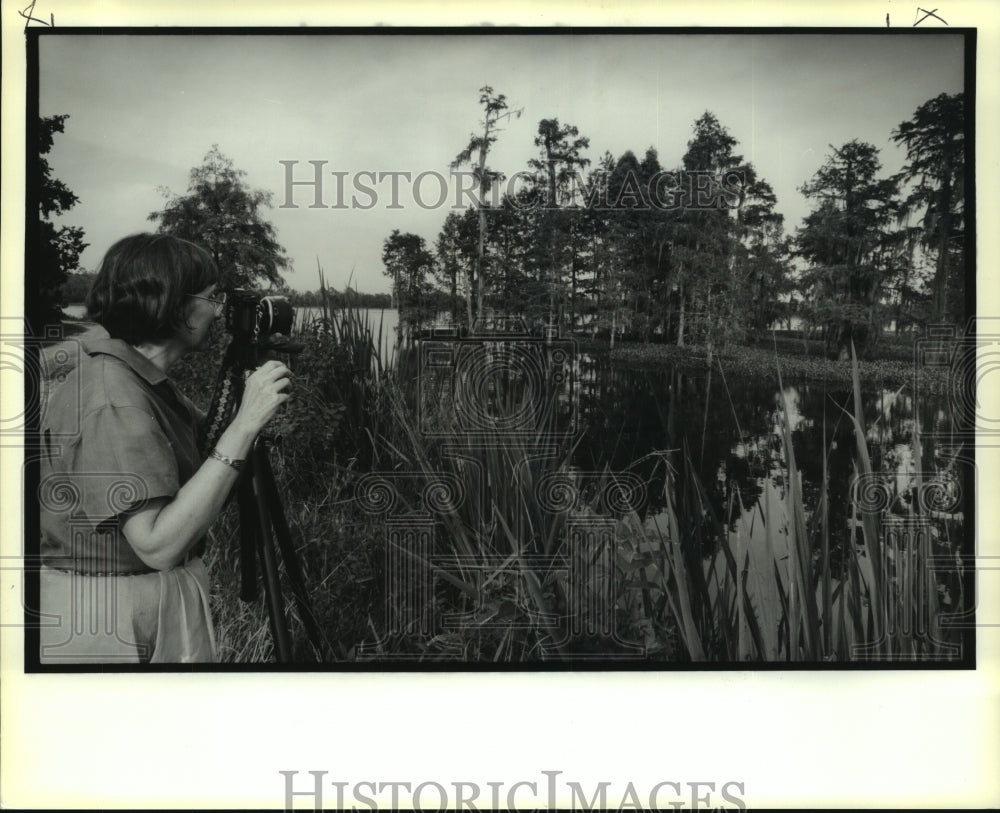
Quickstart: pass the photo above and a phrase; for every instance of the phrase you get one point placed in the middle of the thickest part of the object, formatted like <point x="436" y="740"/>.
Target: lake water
<point x="732" y="435"/>
<point x="382" y="321"/>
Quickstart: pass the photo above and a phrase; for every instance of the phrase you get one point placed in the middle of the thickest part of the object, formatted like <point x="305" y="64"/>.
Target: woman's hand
<point x="264" y="392"/>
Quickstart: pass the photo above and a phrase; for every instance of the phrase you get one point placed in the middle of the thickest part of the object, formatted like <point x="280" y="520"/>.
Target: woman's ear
<point x="182" y="314"/>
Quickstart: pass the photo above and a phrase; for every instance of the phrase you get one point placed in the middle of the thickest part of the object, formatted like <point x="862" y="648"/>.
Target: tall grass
<point x="492" y="540"/>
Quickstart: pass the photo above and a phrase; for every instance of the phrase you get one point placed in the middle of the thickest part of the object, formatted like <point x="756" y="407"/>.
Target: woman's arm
<point x="162" y="531"/>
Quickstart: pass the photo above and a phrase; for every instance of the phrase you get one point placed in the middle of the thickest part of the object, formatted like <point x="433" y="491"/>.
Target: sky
<point x="144" y="110"/>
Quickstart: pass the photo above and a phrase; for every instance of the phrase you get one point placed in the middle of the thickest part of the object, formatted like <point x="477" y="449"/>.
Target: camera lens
<point x="250" y="315"/>
<point x="277" y="315"/>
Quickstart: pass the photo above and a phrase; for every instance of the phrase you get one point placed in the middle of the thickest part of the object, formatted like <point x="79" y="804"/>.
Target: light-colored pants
<point x="160" y="617"/>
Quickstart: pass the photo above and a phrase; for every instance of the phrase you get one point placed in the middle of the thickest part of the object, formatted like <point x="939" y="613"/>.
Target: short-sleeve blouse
<point x="116" y="433"/>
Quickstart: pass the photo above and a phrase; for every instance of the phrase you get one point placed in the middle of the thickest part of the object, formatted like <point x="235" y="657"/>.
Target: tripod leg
<point x="269" y="564"/>
<point x="248" y="540"/>
<point x="283" y="536"/>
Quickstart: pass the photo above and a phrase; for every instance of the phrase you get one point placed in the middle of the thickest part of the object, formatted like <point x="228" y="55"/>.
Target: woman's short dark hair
<point x="140" y="289"/>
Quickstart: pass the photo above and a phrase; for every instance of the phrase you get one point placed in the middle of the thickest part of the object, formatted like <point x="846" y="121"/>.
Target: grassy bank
<point x="764" y="361"/>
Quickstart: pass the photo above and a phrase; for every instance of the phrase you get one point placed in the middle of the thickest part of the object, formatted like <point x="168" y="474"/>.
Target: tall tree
<point x="708" y="233"/>
<point x="844" y="240"/>
<point x="602" y="280"/>
<point x="560" y="147"/>
<point x="224" y="215"/>
<point x="763" y="271"/>
<point x="560" y="158"/>
<point x="456" y="248"/>
<point x="495" y="110"/>
<point x="519" y="255"/>
<point x="935" y="152"/>
<point x="58" y="249"/>
<point x="408" y="262"/>
<point x="618" y="247"/>
<point x="635" y="224"/>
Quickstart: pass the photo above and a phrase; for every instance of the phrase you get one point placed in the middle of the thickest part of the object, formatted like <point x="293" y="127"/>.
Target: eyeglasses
<point x="219" y="300"/>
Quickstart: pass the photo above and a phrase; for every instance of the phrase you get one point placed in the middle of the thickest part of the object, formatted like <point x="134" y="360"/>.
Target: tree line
<point x="692" y="252"/>
<point x="695" y="252"/>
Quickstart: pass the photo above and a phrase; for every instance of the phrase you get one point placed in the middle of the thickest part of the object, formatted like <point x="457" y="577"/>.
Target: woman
<point x="126" y="498"/>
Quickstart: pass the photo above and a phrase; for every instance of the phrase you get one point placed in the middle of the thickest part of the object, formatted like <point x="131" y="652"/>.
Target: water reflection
<point x="728" y="429"/>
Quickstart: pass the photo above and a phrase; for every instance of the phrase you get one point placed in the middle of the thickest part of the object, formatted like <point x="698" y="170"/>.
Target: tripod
<point x="264" y="530"/>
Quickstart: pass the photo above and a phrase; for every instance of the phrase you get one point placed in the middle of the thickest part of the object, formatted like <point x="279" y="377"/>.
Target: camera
<point x="254" y="316"/>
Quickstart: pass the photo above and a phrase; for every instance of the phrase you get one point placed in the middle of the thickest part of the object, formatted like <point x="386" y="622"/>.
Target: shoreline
<point x="744" y="361"/>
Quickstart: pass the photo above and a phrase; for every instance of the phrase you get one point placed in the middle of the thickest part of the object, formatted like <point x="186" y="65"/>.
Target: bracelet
<point x="233" y="464"/>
